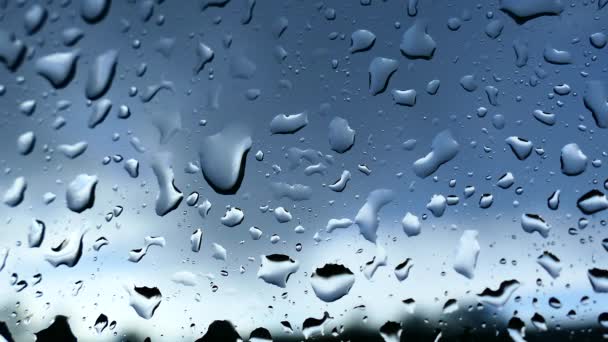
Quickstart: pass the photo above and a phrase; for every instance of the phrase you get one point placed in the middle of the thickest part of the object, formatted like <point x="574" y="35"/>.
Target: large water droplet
<point x="341" y="136"/>
<point x="101" y="74"/>
<point x="550" y="263"/>
<point x="144" y="300"/>
<point x="417" y="43"/>
<point x="169" y="196"/>
<point x="80" y="193"/>
<point x="599" y="279"/>
<point x="573" y="160"/>
<point x="380" y="71"/>
<point x="522" y="148"/>
<point x="223" y="157"/>
<point x="500" y="296"/>
<point x="68" y="252"/>
<point x="361" y="40"/>
<point x="467" y="253"/>
<point x="522" y="11"/>
<point x="332" y="282"/>
<point x="443" y="149"/>
<point x="26" y="142"/>
<point x="36" y="233"/>
<point x="34" y="18"/>
<point x="93" y="11"/>
<point x="276" y="269"/>
<point x="367" y="218"/>
<point x="592" y="202"/>
<point x="531" y="223"/>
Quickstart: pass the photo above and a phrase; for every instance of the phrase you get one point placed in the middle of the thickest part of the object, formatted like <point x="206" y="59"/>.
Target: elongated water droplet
<point x="101" y="74"/>
<point x="14" y="195"/>
<point x="500" y="296"/>
<point x="169" y="196"/>
<point x="467" y="254"/>
<point x="341" y="135"/>
<point x="443" y="149"/>
<point x="380" y="71"/>
<point x="550" y="263"/>
<point x="288" y="123"/>
<point x="73" y="150"/>
<point x="36" y="233"/>
<point x="367" y="218"/>
<point x="26" y="142"/>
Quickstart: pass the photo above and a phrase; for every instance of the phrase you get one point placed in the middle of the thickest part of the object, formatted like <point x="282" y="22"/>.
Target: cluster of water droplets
<point x="435" y="166"/>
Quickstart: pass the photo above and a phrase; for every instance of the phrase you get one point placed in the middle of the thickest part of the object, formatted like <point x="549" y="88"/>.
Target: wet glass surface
<point x="365" y="170"/>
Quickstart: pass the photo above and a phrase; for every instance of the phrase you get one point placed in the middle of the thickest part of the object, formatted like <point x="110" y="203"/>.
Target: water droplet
<point x="36" y="233"/>
<point x="467" y="253"/>
<point x="73" y="150"/>
<point x="101" y="74"/>
<point x="522" y="11"/>
<point x="522" y="148"/>
<point x="101" y="323"/>
<point x="223" y="156"/>
<point x="315" y="327"/>
<point x="437" y="205"/>
<point x="391" y="331"/>
<point x="80" y="193"/>
<point x="25" y="142"/>
<point x="14" y="195"/>
<point x="592" y="202"/>
<point x="144" y="300"/>
<point x="573" y="160"/>
<point x="332" y="282"/>
<point x="169" y="196"/>
<point x="550" y="263"/>
<point x="404" y="97"/>
<point x="341" y="136"/>
<point x="443" y="149"/>
<point x="367" y="218"/>
<point x="544" y="117"/>
<point x="276" y="269"/>
<point x="288" y="123"/>
<point x="101" y="109"/>
<point x="361" y="40"/>
<point x="500" y="296"/>
<point x="402" y="271"/>
<point x="417" y="43"/>
<point x="282" y="215"/>
<point x="93" y="11"/>
<point x="411" y="224"/>
<point x="233" y="217"/>
<point x="34" y="18"/>
<point x="531" y="223"/>
<point x="68" y="252"/>
<point x="219" y="252"/>
<point x="380" y="71"/>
